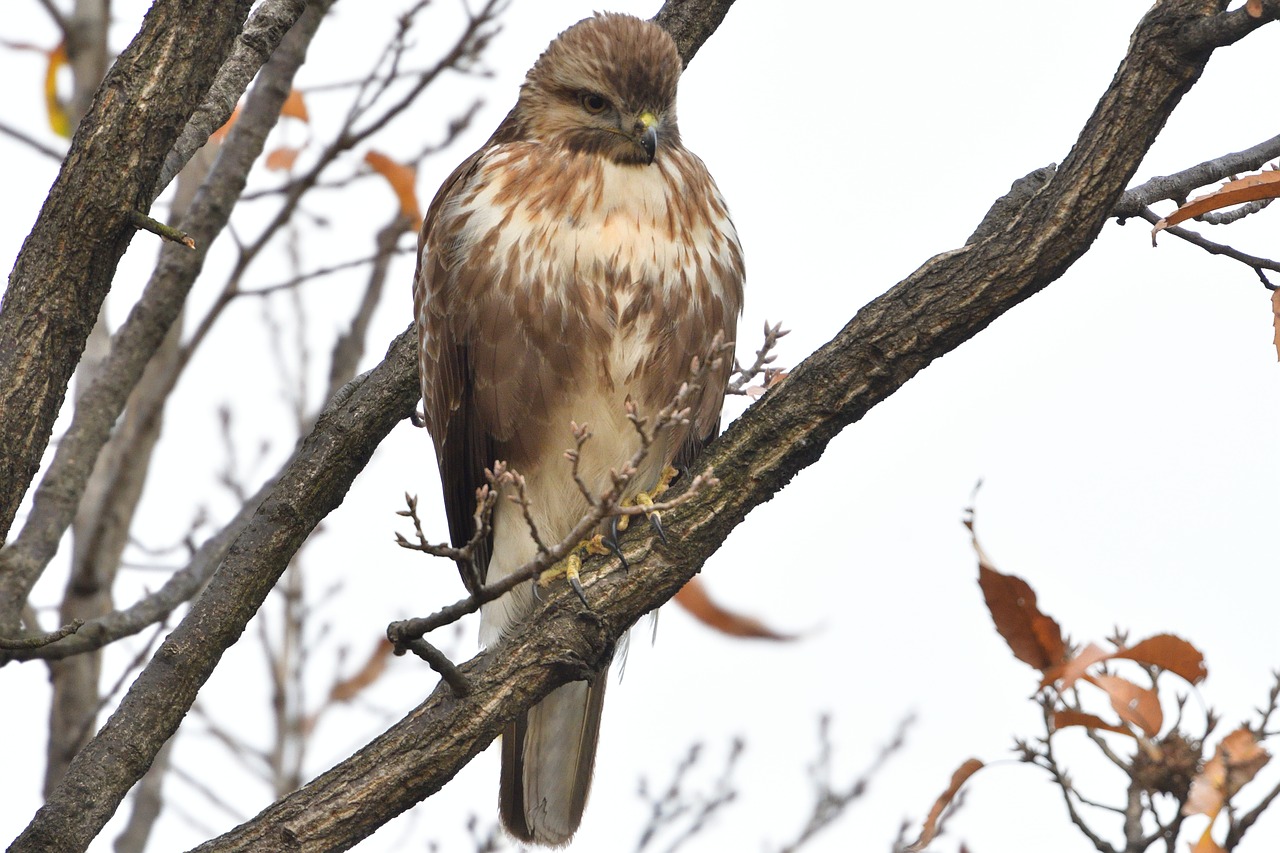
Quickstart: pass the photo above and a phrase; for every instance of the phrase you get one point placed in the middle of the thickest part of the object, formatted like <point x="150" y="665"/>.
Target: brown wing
<point x="457" y="331"/>
<point x="463" y="447"/>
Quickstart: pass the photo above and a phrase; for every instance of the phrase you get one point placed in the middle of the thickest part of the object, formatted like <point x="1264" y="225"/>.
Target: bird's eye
<point x="594" y="103"/>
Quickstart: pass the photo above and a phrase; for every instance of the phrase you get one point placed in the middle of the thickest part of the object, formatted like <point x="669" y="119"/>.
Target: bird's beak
<point x="646" y="130"/>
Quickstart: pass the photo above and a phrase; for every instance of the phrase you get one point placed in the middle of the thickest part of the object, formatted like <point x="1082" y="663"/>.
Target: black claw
<point x="536" y="596"/>
<point x="655" y="521"/>
<point x="610" y="542"/>
<point x="577" y="587"/>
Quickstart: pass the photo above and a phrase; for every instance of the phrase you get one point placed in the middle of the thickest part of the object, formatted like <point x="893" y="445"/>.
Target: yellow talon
<point x="664" y="481"/>
<point x="646" y="499"/>
<point x="571" y="566"/>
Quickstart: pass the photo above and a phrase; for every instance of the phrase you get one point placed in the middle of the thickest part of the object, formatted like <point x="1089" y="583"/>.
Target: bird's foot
<point x="646" y="500"/>
<point x="571" y="566"/>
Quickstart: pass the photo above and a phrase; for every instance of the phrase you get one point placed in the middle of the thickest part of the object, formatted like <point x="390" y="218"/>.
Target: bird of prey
<point x="579" y="260"/>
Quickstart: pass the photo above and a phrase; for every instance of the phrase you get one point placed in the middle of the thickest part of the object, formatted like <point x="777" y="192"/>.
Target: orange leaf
<point x="1244" y="756"/>
<point x="1235" y="762"/>
<point x="1170" y="653"/>
<point x="1205" y="796"/>
<point x="1206" y="844"/>
<point x="348" y="688"/>
<point x="282" y="159"/>
<point x="693" y="597"/>
<point x="59" y="119"/>
<point x="1035" y="638"/>
<point x="1075" y="668"/>
<point x="1275" y="309"/>
<point x="930" y="829"/>
<point x="1136" y="705"/>
<point x="1252" y="188"/>
<point x="1063" y="719"/>
<point x="403" y="180"/>
<point x="295" y="107"/>
<point x="221" y="133"/>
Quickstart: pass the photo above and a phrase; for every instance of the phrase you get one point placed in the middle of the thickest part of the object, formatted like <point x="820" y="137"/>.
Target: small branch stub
<point x="164" y="232"/>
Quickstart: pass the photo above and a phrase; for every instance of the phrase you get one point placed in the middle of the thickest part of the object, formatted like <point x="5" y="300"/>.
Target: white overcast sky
<point x="1121" y="422"/>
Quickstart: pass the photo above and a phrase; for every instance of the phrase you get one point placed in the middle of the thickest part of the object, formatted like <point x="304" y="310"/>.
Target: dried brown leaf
<point x="1035" y="638"/>
<point x="1275" y="309"/>
<point x="221" y="133"/>
<point x="1075" y="668"/>
<point x="1205" y="796"/>
<point x="55" y="106"/>
<point x="282" y="159"/>
<point x="295" y="107"/>
<point x="1244" y="756"/>
<point x="1138" y="706"/>
<point x="1064" y="719"/>
<point x="929" y="831"/>
<point x="1252" y="188"/>
<point x="374" y="666"/>
<point x="1169" y="653"/>
<point x="1206" y="844"/>
<point x="1237" y="759"/>
<point x="403" y="180"/>
<point x="693" y="597"/>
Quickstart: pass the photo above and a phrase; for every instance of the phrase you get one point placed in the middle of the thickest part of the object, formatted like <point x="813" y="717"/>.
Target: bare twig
<point x="321" y="272"/>
<point x="1049" y="762"/>
<point x="601" y="507"/>
<point x="441" y="664"/>
<point x="675" y="803"/>
<point x="59" y="20"/>
<point x="37" y="641"/>
<point x="1257" y="264"/>
<point x="1226" y="217"/>
<point x="830" y="802"/>
<point x="165" y="232"/>
<point x="1178" y="186"/>
<point x="32" y="142"/>
<point x="764" y="357"/>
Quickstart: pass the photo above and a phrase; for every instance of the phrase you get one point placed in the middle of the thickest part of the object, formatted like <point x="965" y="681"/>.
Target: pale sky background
<point x="1121" y="422"/>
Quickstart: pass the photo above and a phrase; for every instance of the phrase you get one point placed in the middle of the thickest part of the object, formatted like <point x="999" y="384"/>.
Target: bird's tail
<point x="547" y="759"/>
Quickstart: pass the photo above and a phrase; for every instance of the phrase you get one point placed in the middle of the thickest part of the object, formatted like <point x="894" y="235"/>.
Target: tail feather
<point x="547" y="761"/>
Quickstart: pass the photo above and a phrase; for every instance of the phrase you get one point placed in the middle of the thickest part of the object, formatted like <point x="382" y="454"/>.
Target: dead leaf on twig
<point x="929" y="831"/>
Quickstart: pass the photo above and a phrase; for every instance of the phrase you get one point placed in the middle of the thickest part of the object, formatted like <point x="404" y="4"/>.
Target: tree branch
<point x="312" y="484"/>
<point x="66" y="265"/>
<point x="132" y="347"/>
<point x="256" y="44"/>
<point x="1178" y="186"/>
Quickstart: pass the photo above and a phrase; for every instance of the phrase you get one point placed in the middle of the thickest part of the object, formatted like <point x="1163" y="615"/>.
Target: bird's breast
<point x="614" y="254"/>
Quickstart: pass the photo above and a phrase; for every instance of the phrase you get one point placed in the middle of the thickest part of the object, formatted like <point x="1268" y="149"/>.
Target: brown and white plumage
<point x="581" y="257"/>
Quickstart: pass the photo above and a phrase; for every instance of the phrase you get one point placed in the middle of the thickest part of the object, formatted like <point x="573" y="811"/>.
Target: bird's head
<point x="606" y="85"/>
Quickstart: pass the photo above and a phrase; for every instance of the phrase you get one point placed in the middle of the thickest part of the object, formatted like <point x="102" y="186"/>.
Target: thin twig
<point x="441" y="664"/>
<point x="36" y="641"/>
<point x="764" y="357"/>
<point x="606" y="505"/>
<point x="31" y="141"/>
<point x="831" y="802"/>
<point x="1258" y="265"/>
<point x="165" y="232"/>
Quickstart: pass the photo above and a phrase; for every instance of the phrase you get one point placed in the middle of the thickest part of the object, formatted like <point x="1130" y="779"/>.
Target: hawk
<point x="580" y="259"/>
